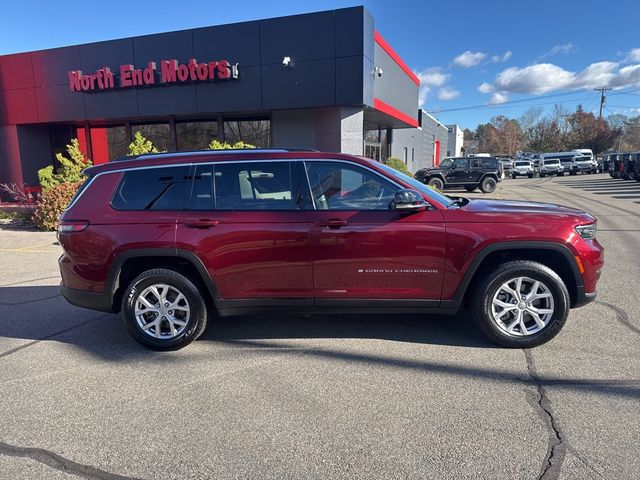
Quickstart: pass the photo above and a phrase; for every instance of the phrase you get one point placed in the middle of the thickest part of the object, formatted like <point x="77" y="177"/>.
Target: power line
<point x="602" y="91"/>
<point x="500" y="105"/>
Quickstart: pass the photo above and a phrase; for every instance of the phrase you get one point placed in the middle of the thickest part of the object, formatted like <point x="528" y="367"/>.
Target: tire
<point x="190" y="314"/>
<point x="573" y="173"/>
<point x="561" y="174"/>
<point x="436" y="183"/>
<point x="470" y="188"/>
<point x="530" y="175"/>
<point x="491" y="287"/>
<point x="542" y="175"/>
<point x="513" y="176"/>
<point x="488" y="184"/>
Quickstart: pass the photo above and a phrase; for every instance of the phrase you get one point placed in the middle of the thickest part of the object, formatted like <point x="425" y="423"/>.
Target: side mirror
<point x="407" y="200"/>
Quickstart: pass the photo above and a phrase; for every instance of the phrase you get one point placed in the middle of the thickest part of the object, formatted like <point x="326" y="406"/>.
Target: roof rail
<point x="212" y="152"/>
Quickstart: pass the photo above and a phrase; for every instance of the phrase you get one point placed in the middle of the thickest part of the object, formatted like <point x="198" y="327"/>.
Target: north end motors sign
<point x="170" y="72"/>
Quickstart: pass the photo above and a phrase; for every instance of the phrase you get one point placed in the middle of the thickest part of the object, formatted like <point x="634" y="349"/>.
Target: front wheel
<point x="436" y="183"/>
<point x="164" y="310"/>
<point x="488" y="185"/>
<point x="521" y="304"/>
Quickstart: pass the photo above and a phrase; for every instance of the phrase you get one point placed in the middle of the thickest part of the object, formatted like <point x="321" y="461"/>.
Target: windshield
<point x="446" y="163"/>
<point x="421" y="187"/>
<point x="522" y="164"/>
<point x="553" y="161"/>
<point x="583" y="159"/>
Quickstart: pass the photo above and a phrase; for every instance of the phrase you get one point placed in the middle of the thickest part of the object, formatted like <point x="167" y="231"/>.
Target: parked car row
<point x="556" y="163"/>
<point x="623" y="165"/>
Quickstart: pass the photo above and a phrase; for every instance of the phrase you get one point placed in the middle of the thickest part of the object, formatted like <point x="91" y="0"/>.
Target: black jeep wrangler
<point x="467" y="172"/>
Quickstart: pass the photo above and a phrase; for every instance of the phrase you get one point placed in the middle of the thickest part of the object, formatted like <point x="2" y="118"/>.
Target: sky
<point x="475" y="59"/>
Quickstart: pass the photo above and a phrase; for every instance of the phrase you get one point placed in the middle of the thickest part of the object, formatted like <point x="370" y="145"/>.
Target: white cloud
<point x="485" y="88"/>
<point x="537" y="79"/>
<point x="633" y="55"/>
<point x="564" y="49"/>
<point x="429" y="78"/>
<point x="502" y="58"/>
<point x="542" y="78"/>
<point x="497" y="98"/>
<point x="448" y="93"/>
<point x="469" y="59"/>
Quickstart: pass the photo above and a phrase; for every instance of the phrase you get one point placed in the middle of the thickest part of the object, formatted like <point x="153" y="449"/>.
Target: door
<point x="362" y="248"/>
<point x="245" y="222"/>
<point x="475" y="170"/>
<point x="459" y="172"/>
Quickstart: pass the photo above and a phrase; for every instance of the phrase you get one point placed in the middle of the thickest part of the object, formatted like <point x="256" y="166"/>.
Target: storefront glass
<point x="195" y="135"/>
<point x="158" y="133"/>
<point x="254" y="132"/>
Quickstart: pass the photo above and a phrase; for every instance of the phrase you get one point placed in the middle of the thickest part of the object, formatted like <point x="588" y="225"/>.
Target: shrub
<point x="218" y="145"/>
<point x="141" y="145"/>
<point x="69" y="170"/>
<point x="21" y="192"/>
<point x="398" y="164"/>
<point x="52" y="203"/>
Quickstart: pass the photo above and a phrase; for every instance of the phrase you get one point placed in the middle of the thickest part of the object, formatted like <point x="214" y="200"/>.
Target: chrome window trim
<point x="213" y="162"/>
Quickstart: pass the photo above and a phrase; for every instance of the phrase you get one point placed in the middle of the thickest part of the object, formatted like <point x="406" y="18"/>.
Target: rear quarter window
<point x="152" y="189"/>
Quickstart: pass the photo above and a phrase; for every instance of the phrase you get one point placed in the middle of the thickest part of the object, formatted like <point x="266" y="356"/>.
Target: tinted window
<point x="476" y="163"/>
<point x="202" y="189"/>
<point x="254" y="186"/>
<point x="152" y="189"/>
<point x="489" y="163"/>
<point x="340" y="186"/>
<point x="461" y="163"/>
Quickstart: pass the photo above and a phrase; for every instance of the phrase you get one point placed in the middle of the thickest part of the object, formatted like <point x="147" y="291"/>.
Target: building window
<point x="158" y="133"/>
<point x="406" y="155"/>
<point x="254" y="132"/>
<point x="195" y="135"/>
<point x="413" y="155"/>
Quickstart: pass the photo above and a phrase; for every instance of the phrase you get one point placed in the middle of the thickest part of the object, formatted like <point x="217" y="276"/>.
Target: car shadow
<point x="40" y="313"/>
<point x="30" y="315"/>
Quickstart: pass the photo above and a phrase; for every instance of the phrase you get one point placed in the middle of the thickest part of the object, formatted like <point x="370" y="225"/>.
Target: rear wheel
<point x="488" y="184"/>
<point x="436" y="183"/>
<point x="521" y="304"/>
<point x="164" y="310"/>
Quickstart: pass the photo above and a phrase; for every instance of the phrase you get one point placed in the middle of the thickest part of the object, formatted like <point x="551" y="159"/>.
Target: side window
<point x="254" y="186"/>
<point x="476" y="163"/>
<point x="462" y="163"/>
<point x="202" y="189"/>
<point x="152" y="189"/>
<point x="340" y="186"/>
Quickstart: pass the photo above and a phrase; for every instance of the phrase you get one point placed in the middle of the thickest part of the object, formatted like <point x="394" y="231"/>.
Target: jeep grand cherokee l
<point x="170" y="239"/>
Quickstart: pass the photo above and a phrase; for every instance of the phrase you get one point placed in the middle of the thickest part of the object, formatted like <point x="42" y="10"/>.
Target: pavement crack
<point x="59" y="462"/>
<point x="556" y="445"/>
<point x="621" y="315"/>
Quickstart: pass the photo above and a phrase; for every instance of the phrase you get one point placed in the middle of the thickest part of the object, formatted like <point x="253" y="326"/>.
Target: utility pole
<point x="602" y="91"/>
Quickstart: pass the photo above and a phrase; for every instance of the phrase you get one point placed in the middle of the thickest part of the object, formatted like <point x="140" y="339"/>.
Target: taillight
<point x="72" y="227"/>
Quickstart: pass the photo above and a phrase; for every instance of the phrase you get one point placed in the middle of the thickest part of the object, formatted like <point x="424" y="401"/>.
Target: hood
<point x="516" y="210"/>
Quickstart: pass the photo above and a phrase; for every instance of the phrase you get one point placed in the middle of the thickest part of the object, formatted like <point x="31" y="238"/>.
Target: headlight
<point x="586" y="231"/>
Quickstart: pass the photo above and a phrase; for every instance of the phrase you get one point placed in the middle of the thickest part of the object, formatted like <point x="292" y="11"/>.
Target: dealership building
<point x="328" y="81"/>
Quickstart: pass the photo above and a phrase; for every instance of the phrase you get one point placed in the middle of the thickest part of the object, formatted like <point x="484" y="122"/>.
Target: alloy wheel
<point x="522" y="306"/>
<point x="162" y="311"/>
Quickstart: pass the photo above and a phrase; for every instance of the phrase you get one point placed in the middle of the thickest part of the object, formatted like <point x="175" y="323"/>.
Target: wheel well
<point x="132" y="267"/>
<point x="553" y="259"/>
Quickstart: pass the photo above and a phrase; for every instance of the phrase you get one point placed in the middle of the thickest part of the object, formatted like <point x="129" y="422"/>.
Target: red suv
<point x="169" y="239"/>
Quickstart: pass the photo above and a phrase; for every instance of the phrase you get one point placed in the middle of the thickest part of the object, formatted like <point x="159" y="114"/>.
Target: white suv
<point x="523" y="167"/>
<point x="551" y="166"/>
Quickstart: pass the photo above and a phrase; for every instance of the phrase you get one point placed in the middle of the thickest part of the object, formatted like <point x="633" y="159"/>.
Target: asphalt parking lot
<point x="293" y="396"/>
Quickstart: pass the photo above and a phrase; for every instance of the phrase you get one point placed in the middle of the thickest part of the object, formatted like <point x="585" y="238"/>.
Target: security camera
<point x="286" y="61"/>
<point x="377" y="71"/>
